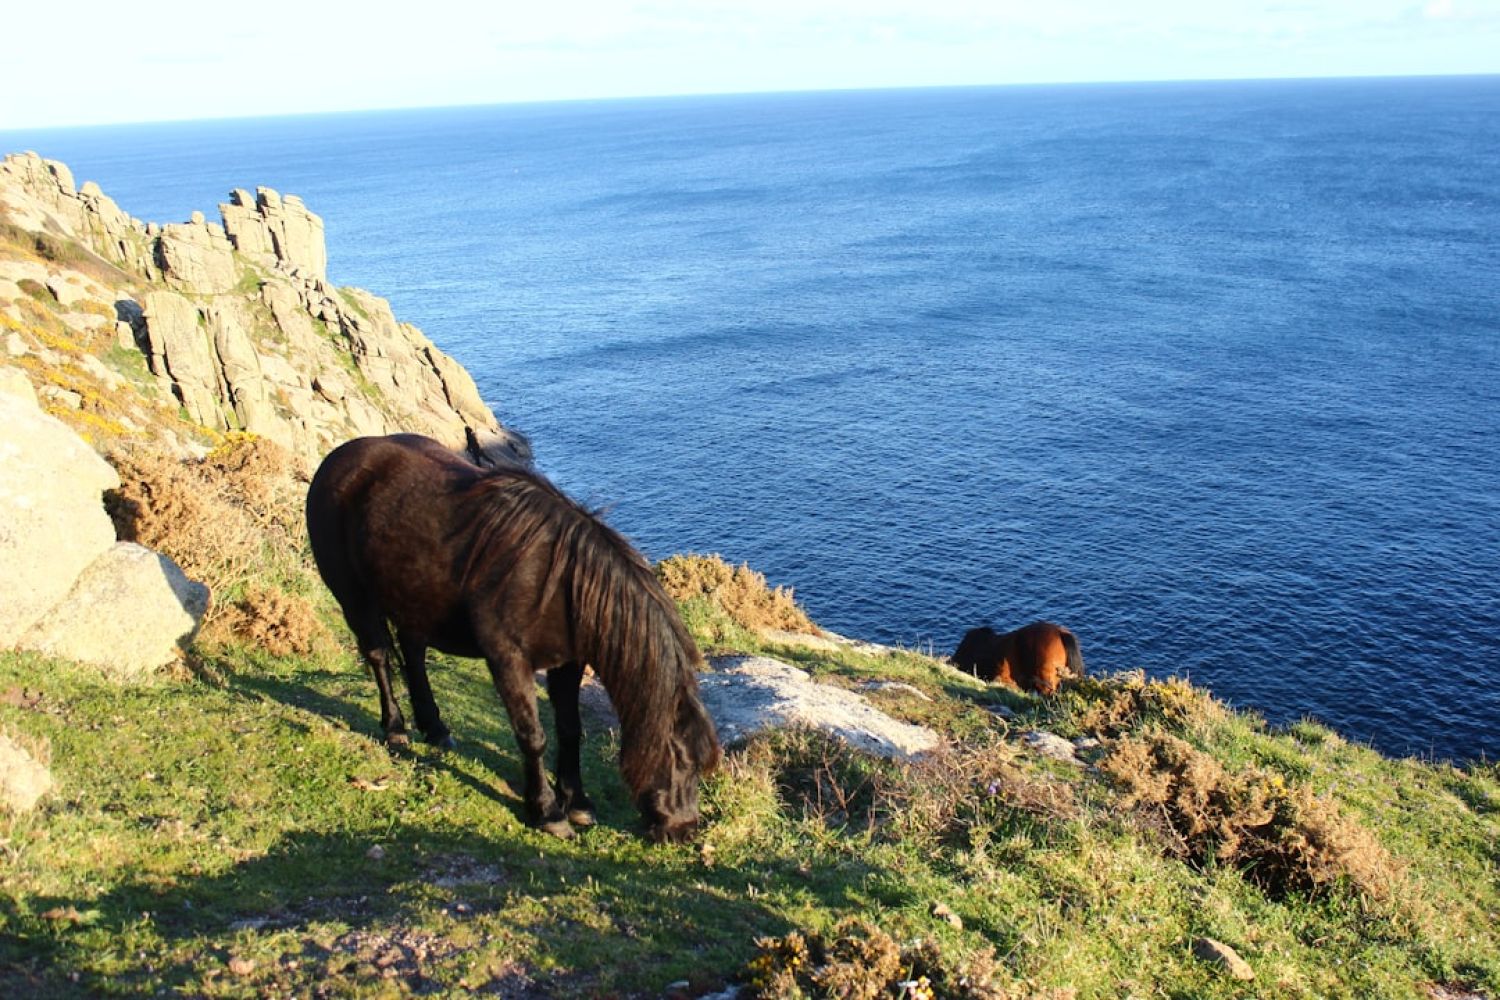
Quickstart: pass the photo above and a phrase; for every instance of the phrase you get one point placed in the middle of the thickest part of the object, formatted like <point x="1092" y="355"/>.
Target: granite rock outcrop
<point x="236" y="320"/>
<point x="748" y="694"/>
<point x="52" y="522"/>
<point x="276" y="232"/>
<point x="67" y="588"/>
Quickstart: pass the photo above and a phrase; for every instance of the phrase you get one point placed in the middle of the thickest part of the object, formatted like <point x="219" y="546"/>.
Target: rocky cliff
<point x="190" y="330"/>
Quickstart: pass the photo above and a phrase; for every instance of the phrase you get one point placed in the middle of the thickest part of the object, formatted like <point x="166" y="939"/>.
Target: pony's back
<point x="375" y="488"/>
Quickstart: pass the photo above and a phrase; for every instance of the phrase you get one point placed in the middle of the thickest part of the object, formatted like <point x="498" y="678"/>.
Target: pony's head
<point x="625" y="625"/>
<point x="1041" y="676"/>
<point x="668" y="797"/>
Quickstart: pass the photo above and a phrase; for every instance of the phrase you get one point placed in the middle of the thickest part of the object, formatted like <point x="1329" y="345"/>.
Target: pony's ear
<point x="695" y="727"/>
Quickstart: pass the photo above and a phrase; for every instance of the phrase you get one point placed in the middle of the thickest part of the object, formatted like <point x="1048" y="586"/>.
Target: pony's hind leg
<point x="423" y="705"/>
<point x="517" y="689"/>
<point x="392" y="722"/>
<point x="562" y="689"/>
<point x="365" y="619"/>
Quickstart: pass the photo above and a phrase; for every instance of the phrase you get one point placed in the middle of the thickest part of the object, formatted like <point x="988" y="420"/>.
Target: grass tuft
<point x="858" y="960"/>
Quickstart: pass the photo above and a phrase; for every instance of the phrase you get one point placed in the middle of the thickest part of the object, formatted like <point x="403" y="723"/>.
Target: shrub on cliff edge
<point x="234" y="521"/>
<point x="738" y="591"/>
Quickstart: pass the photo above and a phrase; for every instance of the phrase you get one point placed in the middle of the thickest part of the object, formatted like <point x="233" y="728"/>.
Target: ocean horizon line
<point x="647" y="99"/>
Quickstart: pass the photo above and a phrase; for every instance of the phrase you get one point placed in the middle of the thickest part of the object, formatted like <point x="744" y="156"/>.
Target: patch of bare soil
<point x="397" y="953"/>
<point x="1452" y="991"/>
<point x="449" y="871"/>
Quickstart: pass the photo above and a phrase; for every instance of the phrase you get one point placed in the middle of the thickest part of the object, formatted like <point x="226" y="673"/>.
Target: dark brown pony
<point x="1035" y="657"/>
<point x="499" y="564"/>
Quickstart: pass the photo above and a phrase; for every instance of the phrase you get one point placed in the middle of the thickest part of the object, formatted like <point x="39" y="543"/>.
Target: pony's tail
<point x="1075" y="658"/>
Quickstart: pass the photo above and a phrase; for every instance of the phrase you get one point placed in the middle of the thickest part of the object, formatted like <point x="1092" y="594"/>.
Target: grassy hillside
<point x="240" y="830"/>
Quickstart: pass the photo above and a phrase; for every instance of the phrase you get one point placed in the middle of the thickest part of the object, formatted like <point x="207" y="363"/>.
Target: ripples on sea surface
<point x="1208" y="372"/>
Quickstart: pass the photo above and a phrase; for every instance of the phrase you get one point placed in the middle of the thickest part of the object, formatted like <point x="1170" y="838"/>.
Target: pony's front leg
<point x="517" y="689"/>
<point x="562" y="689"/>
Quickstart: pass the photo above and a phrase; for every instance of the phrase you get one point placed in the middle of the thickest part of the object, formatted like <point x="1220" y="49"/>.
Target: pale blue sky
<point x="99" y="62"/>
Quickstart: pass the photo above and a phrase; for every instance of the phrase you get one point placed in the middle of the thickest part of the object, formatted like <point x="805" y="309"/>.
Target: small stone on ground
<point x="1220" y="954"/>
<point x="1050" y="745"/>
<point x="22" y="779"/>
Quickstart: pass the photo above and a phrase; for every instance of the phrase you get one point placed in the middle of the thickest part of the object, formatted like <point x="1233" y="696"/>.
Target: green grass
<point x="56" y="249"/>
<point x="212" y="835"/>
<point x="250" y="280"/>
<point x="38" y="291"/>
<point x="131" y="364"/>
<point x="347" y="297"/>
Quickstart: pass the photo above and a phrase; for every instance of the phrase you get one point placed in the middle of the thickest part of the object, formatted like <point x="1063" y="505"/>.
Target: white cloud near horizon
<point x="185" y="59"/>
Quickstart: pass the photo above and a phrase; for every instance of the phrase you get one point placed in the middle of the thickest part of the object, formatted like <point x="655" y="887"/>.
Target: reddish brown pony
<point x="499" y="564"/>
<point x="1035" y="657"/>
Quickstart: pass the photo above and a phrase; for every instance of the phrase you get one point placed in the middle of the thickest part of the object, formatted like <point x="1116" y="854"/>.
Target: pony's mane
<point x="622" y="622"/>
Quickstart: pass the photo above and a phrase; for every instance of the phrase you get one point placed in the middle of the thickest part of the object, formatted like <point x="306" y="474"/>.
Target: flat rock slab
<point x="594" y="701"/>
<point x="749" y="694"/>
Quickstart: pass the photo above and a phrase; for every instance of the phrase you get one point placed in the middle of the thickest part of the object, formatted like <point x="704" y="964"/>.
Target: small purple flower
<point x="992" y="789"/>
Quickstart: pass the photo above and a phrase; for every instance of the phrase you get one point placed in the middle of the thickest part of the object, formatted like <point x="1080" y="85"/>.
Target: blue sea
<point x="1209" y="372"/>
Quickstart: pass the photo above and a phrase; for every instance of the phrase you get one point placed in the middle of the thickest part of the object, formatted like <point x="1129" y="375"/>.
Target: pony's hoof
<point x="445" y="742"/>
<point x="673" y="833"/>
<point x="581" y="817"/>
<point x="559" y="828"/>
<point x="397" y="740"/>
